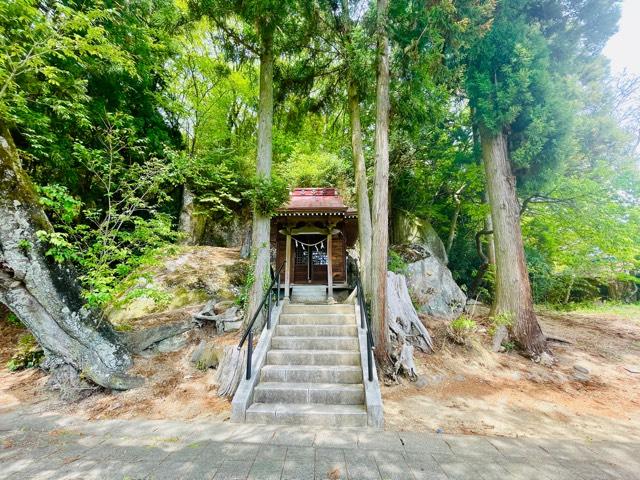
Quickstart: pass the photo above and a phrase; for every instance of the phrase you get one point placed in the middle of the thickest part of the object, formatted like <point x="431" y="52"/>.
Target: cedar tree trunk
<point x="513" y="290"/>
<point x="380" y="211"/>
<point x="45" y="296"/>
<point x="260" y="240"/>
<point x="362" y="191"/>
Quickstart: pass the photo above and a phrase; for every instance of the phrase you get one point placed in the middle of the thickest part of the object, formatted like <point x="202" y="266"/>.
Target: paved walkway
<point x="52" y="447"/>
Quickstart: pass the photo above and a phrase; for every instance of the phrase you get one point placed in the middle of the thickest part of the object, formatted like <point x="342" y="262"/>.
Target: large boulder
<point x="430" y="282"/>
<point x="433" y="289"/>
<point x="409" y="229"/>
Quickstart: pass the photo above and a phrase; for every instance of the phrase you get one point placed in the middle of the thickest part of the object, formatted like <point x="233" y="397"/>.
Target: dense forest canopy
<point x="137" y="126"/>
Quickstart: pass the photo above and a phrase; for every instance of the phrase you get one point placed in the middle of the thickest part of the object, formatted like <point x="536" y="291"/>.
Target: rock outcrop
<point x="433" y="289"/>
<point x="411" y="230"/>
<point x="430" y="282"/>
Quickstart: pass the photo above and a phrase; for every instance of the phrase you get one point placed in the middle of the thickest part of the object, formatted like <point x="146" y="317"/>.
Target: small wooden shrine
<point x="312" y="233"/>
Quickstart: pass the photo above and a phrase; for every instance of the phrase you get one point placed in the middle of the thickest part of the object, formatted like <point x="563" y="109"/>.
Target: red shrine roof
<point x="316" y="200"/>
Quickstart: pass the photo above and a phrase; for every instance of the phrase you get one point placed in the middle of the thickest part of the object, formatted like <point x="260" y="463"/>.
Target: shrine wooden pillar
<point x="329" y="264"/>
<point x="287" y="267"/>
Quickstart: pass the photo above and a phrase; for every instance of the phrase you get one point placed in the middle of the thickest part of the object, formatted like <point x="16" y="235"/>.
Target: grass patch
<point x="630" y="311"/>
<point x="29" y="354"/>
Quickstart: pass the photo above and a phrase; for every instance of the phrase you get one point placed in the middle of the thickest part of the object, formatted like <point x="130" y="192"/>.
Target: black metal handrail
<point x="267" y="301"/>
<point x="366" y="324"/>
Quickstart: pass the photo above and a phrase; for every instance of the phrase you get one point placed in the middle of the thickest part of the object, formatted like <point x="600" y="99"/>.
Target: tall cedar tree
<point x="252" y="25"/>
<point x="380" y="210"/>
<point x="513" y="83"/>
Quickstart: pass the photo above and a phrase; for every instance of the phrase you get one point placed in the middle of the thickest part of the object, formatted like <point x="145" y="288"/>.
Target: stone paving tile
<point x="422" y="442"/>
<point x="389" y="441"/>
<point x="620" y="471"/>
<point x="330" y="464"/>
<point x="361" y="465"/>
<point x="246" y="433"/>
<point x="587" y="471"/>
<point x="457" y="470"/>
<point x="299" y="464"/>
<point x="293" y="437"/>
<point x="472" y="447"/>
<point x="489" y="469"/>
<point x="60" y="448"/>
<point x="272" y="452"/>
<point x="618" y="452"/>
<point x="81" y="469"/>
<point x="424" y="467"/>
<point x="525" y="471"/>
<point x="336" y="438"/>
<point x="233" y="470"/>
<point x="266" y="469"/>
<point x="566" y="450"/>
<point x="392" y="465"/>
<point x="238" y="451"/>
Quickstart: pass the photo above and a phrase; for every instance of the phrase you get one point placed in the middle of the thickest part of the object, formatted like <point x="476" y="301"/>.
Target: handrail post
<point x="269" y="309"/>
<point x="249" y="354"/>
<point x="369" y="358"/>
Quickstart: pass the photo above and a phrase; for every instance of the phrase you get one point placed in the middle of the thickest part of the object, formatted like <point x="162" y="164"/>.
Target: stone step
<point x="315" y="343"/>
<point x="316" y="319"/>
<point x="312" y="357"/>
<point x="324" y="393"/>
<point x="303" y="308"/>
<point x="316" y="330"/>
<point x="311" y="374"/>
<point x="307" y="414"/>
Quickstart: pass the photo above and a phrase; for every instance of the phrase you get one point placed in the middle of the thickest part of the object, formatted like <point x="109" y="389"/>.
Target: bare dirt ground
<point x="459" y="390"/>
<point x="175" y="389"/>
<point x="475" y="391"/>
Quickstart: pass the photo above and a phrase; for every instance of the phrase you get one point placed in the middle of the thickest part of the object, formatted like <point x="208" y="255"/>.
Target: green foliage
<point x="116" y="108"/>
<point x="500" y="320"/>
<point x="28" y="355"/>
<point x="24" y="245"/>
<point x="462" y="329"/>
<point x="625" y="310"/>
<point x="396" y="263"/>
<point x="245" y="289"/>
<point x="108" y="243"/>
<point x="268" y="194"/>
<point x="12" y="319"/>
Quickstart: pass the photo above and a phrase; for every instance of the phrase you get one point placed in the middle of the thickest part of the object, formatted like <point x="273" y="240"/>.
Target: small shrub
<point x="245" y="289"/>
<point x="12" y="319"/>
<point x="24" y="245"/>
<point x="29" y="354"/>
<point x="396" y="263"/>
<point x="462" y="330"/>
<point x="502" y="319"/>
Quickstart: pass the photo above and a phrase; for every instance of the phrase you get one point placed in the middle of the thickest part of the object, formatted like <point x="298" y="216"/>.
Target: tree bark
<point x="189" y="224"/>
<point x="380" y="211"/>
<point x="362" y="190"/>
<point x="45" y="296"/>
<point x="261" y="224"/>
<point x="488" y="226"/>
<point x="454" y="220"/>
<point x="513" y="290"/>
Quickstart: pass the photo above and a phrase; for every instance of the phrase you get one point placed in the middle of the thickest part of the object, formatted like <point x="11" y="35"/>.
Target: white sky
<point x="624" y="47"/>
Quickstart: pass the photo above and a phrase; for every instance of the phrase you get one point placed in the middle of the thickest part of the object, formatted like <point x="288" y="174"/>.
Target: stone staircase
<point x="312" y="374"/>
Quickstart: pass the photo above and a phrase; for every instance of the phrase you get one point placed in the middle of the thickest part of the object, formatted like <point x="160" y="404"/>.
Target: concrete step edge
<point x="344" y="387"/>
